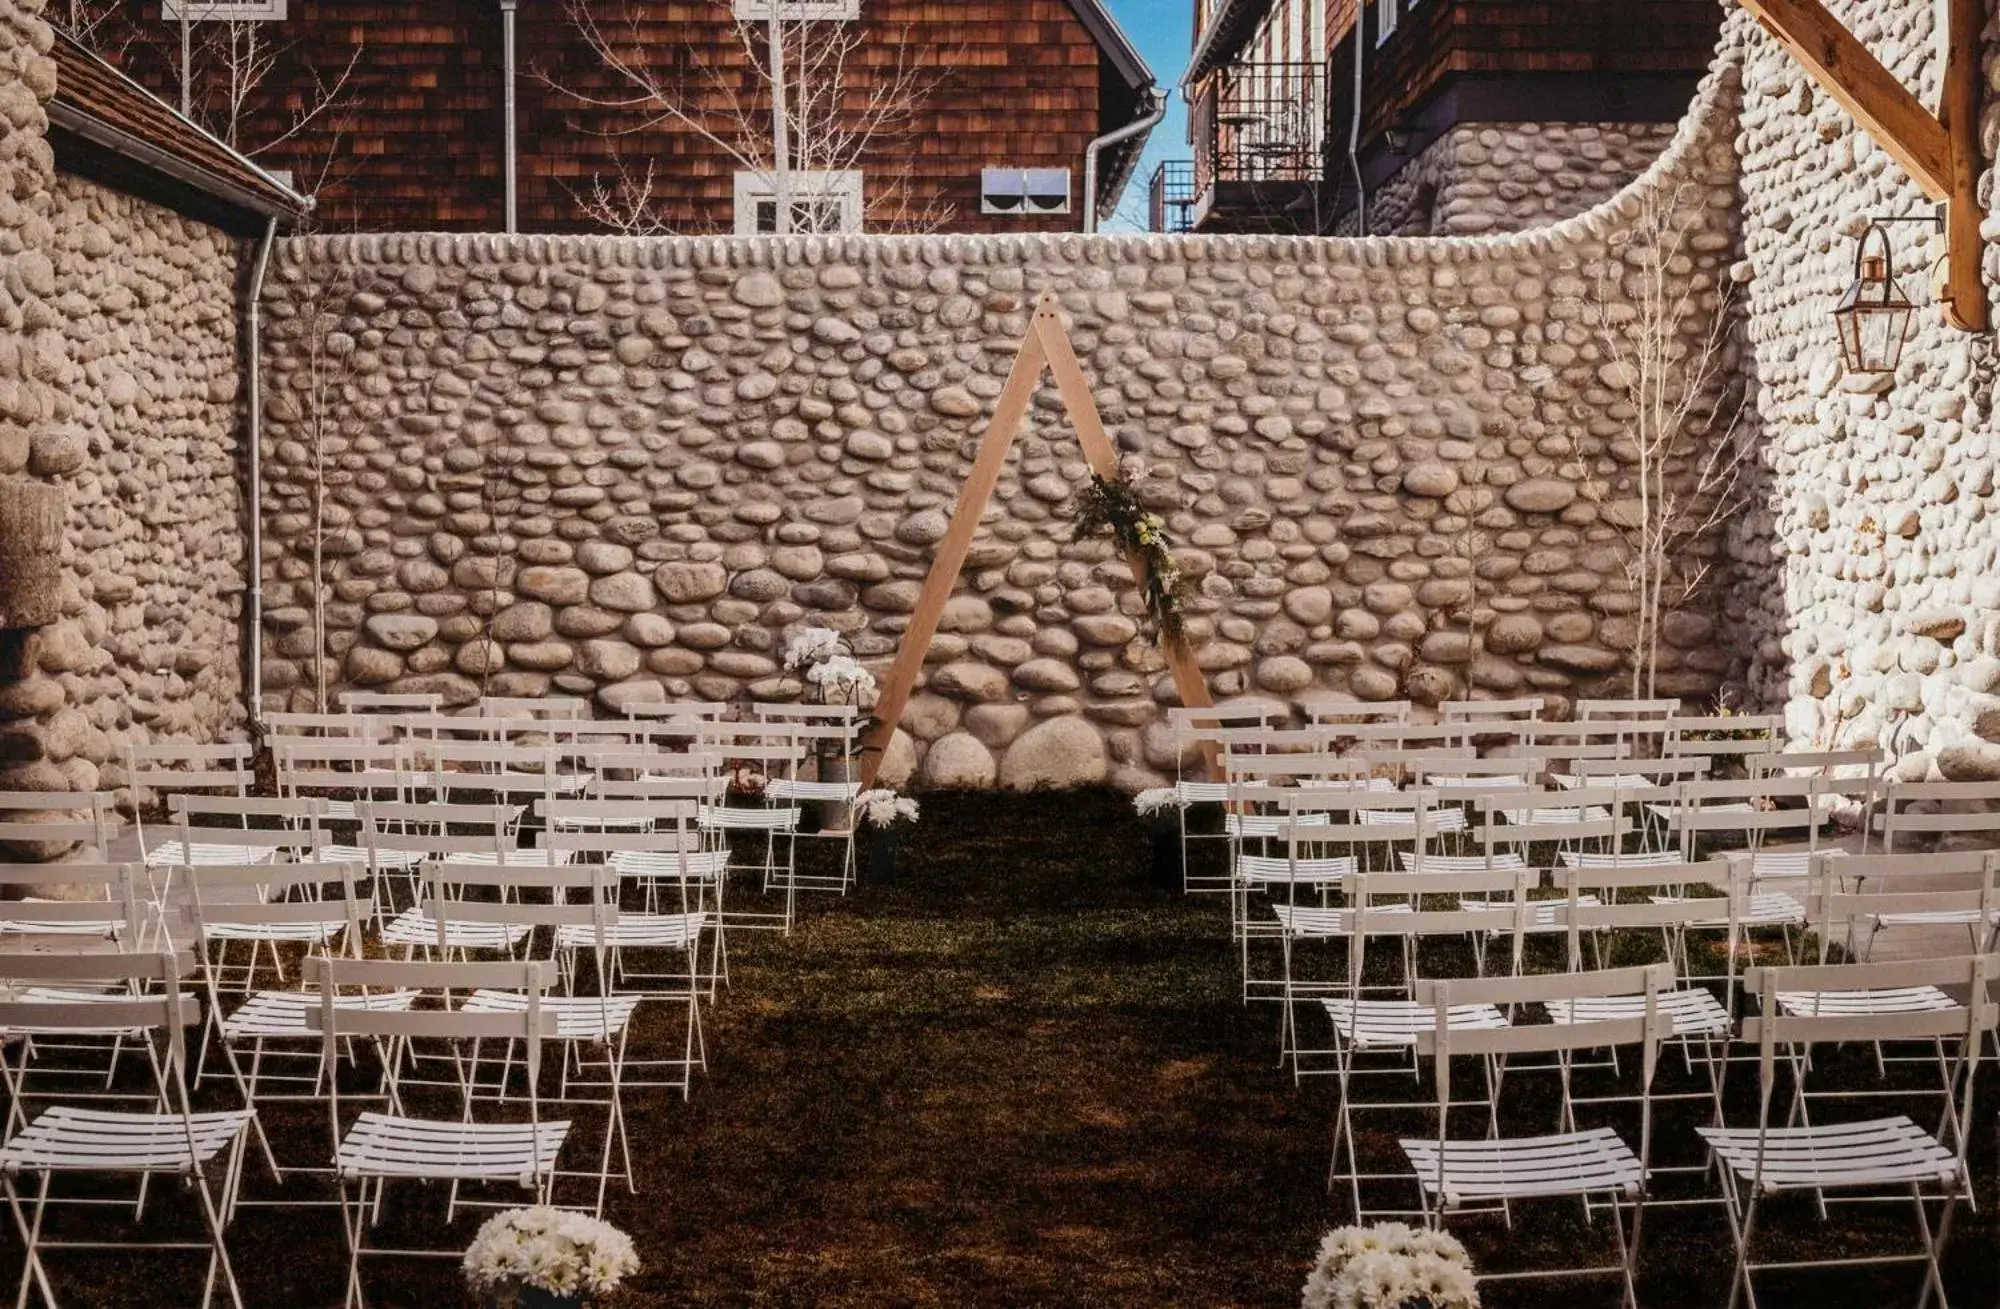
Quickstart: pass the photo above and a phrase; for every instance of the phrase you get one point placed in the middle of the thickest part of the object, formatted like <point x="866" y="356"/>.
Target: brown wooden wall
<point x="417" y="143"/>
<point x="1438" y="39"/>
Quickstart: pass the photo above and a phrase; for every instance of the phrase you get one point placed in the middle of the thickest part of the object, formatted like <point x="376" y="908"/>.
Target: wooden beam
<point x="1845" y="69"/>
<point x="1015" y="398"/>
<point x="1046" y="346"/>
<point x="1102" y="455"/>
<point x="1965" y="301"/>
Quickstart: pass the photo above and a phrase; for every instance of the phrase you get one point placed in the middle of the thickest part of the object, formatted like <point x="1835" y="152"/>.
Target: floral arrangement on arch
<point x="555" y="1251"/>
<point x="1391" y="1266"/>
<point x="821" y="659"/>
<point x="1107" y="507"/>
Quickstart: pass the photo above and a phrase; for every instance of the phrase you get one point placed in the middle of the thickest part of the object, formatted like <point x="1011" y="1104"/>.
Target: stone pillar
<point x="46" y="744"/>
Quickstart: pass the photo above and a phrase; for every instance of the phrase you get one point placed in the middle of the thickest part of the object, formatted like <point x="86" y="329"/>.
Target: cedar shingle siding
<point x="1019" y="83"/>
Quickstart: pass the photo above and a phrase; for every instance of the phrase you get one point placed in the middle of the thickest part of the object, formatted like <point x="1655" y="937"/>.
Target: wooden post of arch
<point x="1045" y="347"/>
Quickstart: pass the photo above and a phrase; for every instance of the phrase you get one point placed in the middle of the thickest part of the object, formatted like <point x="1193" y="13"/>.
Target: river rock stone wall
<point x="1870" y="561"/>
<point x="630" y="468"/>
<point x="1508" y="177"/>
<point x="149" y="303"/>
<point x="46" y="741"/>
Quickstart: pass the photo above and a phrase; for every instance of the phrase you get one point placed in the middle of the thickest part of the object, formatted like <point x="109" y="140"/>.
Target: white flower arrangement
<point x="552" y="1250"/>
<point x="1158" y="800"/>
<point x="882" y="808"/>
<point x="810" y="646"/>
<point x="1391" y="1266"/>
<point x="841" y="680"/>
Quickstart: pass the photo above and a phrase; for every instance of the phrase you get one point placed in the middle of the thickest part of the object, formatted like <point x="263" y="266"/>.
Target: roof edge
<point x="1117" y="46"/>
<point x="153" y="155"/>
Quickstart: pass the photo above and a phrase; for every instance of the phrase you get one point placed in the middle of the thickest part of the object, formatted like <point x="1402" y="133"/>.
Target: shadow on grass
<point x="1016" y="1075"/>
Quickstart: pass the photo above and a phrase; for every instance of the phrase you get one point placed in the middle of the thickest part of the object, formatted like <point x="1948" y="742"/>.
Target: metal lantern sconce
<point x="1873" y="317"/>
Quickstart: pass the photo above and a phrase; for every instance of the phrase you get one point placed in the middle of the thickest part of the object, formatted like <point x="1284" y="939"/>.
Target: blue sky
<point x="1162" y="29"/>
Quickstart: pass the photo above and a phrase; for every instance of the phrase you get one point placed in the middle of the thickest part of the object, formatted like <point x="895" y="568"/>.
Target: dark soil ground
<point x="1016" y="1075"/>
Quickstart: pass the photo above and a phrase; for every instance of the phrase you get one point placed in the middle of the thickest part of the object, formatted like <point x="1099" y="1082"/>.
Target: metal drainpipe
<point x="507" y="65"/>
<point x="1354" y="127"/>
<point x="1090" y="154"/>
<point x="254" y="344"/>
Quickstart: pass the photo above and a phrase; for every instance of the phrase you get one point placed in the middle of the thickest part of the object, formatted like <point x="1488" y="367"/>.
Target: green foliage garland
<point x="1109" y="508"/>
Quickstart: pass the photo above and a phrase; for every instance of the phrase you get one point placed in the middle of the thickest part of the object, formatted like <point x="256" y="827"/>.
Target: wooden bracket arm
<point x="1940" y="152"/>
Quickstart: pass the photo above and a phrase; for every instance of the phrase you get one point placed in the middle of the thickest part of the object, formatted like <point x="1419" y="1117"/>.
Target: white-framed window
<point x="820" y="203"/>
<point x="831" y="11"/>
<point x="1386" y="14"/>
<point x="224" y="11"/>
<point x="1024" y="191"/>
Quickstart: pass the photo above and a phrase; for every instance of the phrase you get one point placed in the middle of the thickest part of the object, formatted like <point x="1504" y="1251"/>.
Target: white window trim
<point x="844" y="185"/>
<point x="224" y="11"/>
<point x="828" y="11"/>
<point x="1387" y="13"/>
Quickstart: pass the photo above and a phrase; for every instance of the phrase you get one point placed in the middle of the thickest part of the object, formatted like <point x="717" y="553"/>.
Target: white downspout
<point x="511" y="161"/>
<point x="1098" y="146"/>
<point x="1354" y="127"/>
<point x="254" y="345"/>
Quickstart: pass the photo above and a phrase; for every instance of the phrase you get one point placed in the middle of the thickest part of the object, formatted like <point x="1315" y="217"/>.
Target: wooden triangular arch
<point x="1046" y="346"/>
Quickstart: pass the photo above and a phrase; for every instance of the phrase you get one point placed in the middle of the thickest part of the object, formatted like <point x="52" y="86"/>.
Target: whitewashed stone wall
<point x="1871" y="591"/>
<point x="148" y="302"/>
<point x="630" y="468"/>
<point x="1509" y="177"/>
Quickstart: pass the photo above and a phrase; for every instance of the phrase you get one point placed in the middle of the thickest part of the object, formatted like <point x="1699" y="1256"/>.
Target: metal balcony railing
<point x="1172" y="197"/>
<point x="1260" y="123"/>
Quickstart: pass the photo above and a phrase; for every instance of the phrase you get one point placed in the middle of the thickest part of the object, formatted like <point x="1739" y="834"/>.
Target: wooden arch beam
<point x="1045" y="349"/>
<point x="1939" y="151"/>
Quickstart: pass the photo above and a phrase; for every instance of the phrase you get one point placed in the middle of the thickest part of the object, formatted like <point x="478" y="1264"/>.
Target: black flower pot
<point x="882" y="844"/>
<point x="533" y="1297"/>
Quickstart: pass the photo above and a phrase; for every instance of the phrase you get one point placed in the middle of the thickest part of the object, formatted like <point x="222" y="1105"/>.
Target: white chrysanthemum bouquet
<point x="552" y="1250"/>
<point x="1391" y="1266"/>
<point x="1158" y="800"/>
<point x="883" y="808"/>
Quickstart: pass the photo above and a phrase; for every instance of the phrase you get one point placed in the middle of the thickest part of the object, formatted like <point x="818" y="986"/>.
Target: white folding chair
<point x="1888" y="1159"/>
<point x="1591" y="1165"/>
<point x="178" y="767"/>
<point x="174" y="1141"/>
<point x="380" y="1147"/>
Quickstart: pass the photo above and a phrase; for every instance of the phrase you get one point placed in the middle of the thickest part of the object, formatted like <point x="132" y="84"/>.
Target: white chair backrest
<point x="1723" y="734"/>
<point x="1590" y="710"/>
<point x="1948" y="807"/>
<point x="1470" y="711"/>
<point x="59" y="818"/>
<point x="1647" y="1031"/>
<point x="154" y="998"/>
<point x="298" y="822"/>
<point x="96" y="899"/>
<point x="676" y="709"/>
<point x="391" y="701"/>
<point x="1360" y="711"/>
<point x="522" y="706"/>
<point x="181" y="765"/>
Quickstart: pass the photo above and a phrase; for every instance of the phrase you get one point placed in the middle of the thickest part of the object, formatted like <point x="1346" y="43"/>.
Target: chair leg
<point x="31" y="1235"/>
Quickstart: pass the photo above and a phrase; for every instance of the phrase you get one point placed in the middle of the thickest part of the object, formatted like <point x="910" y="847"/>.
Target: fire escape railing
<point x="1259" y="122"/>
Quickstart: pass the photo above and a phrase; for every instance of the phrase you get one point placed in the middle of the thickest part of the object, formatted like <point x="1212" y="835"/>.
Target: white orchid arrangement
<point x="552" y="1250"/>
<point x="1158" y="800"/>
<point x="1391" y="1266"/>
<point x="811" y="645"/>
<point x="883" y="808"/>
<point x="824" y="661"/>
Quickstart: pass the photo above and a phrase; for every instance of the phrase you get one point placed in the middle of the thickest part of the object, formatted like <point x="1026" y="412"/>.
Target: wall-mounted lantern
<point x="1873" y="317"/>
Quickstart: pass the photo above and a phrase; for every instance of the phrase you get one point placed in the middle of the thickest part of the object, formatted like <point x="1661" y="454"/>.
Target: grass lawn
<point x="1016" y="1075"/>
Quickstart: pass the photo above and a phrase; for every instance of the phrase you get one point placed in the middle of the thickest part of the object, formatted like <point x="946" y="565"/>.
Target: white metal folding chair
<point x="174" y="1141"/>
<point x="1591" y="1165"/>
<point x="380" y="1147"/>
<point x="1923" y="874"/>
<point x="1891" y="1158"/>
<point x="177" y="768"/>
